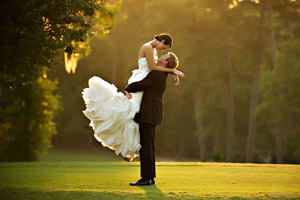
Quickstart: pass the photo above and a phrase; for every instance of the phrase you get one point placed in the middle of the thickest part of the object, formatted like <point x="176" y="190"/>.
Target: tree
<point x="259" y="44"/>
<point x="33" y="35"/>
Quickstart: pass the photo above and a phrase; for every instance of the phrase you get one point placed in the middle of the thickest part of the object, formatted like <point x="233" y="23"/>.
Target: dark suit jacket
<point x="153" y="85"/>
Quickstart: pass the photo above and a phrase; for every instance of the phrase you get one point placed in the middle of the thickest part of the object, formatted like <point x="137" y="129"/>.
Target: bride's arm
<point x="151" y="62"/>
<point x="152" y="65"/>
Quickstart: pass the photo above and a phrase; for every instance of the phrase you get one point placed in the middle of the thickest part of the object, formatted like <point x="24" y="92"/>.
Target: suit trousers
<point x="147" y="151"/>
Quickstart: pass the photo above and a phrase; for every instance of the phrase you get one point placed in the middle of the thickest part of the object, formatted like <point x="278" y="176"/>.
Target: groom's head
<point x="169" y="60"/>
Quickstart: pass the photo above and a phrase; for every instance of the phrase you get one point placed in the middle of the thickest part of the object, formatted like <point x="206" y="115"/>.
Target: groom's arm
<point x="142" y="85"/>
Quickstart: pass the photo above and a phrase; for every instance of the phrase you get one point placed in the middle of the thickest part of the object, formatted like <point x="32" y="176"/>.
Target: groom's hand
<point x="177" y="72"/>
<point x="176" y="78"/>
<point x="128" y="95"/>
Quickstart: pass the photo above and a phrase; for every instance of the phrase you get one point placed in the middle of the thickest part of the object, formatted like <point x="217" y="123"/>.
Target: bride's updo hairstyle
<point x="172" y="61"/>
<point x="165" y="37"/>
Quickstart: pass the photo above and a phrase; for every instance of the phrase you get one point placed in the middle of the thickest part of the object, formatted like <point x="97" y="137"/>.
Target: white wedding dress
<point x="111" y="113"/>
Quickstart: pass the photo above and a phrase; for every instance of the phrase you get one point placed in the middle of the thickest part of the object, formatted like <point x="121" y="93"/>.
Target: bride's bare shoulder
<point x="146" y="46"/>
<point x="145" y="49"/>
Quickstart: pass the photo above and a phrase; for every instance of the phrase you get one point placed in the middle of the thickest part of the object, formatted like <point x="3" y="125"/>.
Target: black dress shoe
<point x="142" y="182"/>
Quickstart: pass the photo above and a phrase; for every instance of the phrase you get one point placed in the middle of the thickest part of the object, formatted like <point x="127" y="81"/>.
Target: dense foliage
<point x="33" y="34"/>
<point x="239" y="101"/>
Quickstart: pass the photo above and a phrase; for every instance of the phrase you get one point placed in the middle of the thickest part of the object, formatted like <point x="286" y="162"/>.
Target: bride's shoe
<point x="125" y="158"/>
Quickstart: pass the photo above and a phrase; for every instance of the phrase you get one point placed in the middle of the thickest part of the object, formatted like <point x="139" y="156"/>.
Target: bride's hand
<point x="179" y="73"/>
<point x="128" y="95"/>
<point x="176" y="78"/>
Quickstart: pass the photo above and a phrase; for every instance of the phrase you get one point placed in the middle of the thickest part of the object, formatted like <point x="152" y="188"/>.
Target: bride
<point x="111" y="113"/>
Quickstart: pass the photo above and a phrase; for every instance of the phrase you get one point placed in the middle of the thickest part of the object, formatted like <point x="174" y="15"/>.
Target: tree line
<point x="239" y="101"/>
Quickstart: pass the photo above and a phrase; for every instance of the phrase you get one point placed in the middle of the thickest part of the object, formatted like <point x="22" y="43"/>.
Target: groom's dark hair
<point x="172" y="61"/>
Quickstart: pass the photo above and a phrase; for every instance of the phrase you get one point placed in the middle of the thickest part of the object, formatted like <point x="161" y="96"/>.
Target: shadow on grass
<point x="31" y="194"/>
<point x="152" y="192"/>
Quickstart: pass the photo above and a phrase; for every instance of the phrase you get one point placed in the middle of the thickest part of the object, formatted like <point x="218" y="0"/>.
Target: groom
<point x="150" y="115"/>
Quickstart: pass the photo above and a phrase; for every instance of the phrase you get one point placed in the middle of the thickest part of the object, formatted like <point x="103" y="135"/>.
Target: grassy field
<point x="107" y="179"/>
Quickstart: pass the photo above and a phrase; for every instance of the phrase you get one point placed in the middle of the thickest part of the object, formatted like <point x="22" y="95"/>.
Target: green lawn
<point x="175" y="180"/>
